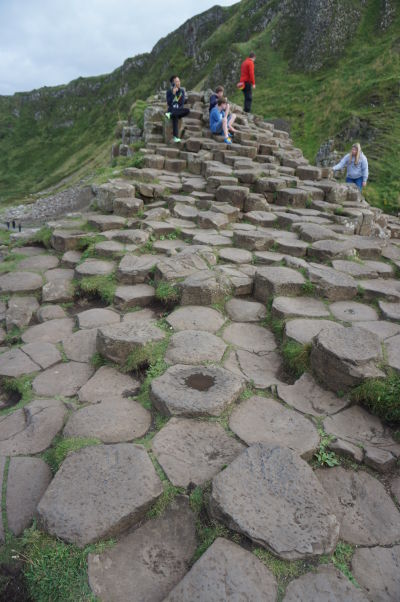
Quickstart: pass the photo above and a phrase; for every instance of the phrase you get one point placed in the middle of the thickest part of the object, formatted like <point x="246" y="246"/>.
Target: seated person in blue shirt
<point x="219" y="92"/>
<point x="357" y="166"/>
<point x="221" y="120"/>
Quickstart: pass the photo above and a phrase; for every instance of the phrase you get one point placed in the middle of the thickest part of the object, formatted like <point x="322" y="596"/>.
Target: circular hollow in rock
<point x="200" y="382"/>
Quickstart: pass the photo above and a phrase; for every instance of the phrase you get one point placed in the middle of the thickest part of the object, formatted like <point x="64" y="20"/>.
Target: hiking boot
<point x="177" y="139"/>
<point x="168" y="115"/>
<point x="227" y="141"/>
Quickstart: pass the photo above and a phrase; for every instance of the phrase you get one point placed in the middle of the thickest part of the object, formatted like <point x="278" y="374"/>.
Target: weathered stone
<point x="335" y="286"/>
<point x="50" y="312"/>
<point x="194" y="317"/>
<point x="194" y="347"/>
<point x="58" y="274"/>
<point x="253" y="240"/>
<point x="395" y="486"/>
<point x="261" y="218"/>
<point x="272" y="496"/>
<point x="20" y="311"/>
<point x="110" y="248"/>
<point x="127" y="207"/>
<point x="43" y="354"/>
<point x="325" y="250"/>
<point x="379" y="459"/>
<point x="20" y="282"/>
<point x="140" y="315"/>
<point x="309" y="398"/>
<point x="240" y="310"/>
<point x="357" y="270"/>
<point x="137" y="295"/>
<point x="351" y="311"/>
<point x="94" y="474"/>
<point x="94" y="318"/>
<point x="268" y="258"/>
<point x="303" y="331"/>
<point x="106" y="193"/>
<point x="327" y="583"/>
<point x="81" y="346"/>
<point x="70" y="259"/>
<point x="272" y="281"/>
<point x="112" y="421"/>
<point x="235" y="255"/>
<point x="344" y="357"/>
<point x="235" y="195"/>
<point x="94" y="267"/>
<point x="377" y="570"/>
<point x="302" y="307"/>
<point x="393" y="352"/>
<point x="106" y="222"/>
<point x="108" y="384"/>
<point x="390" y="311"/>
<point x="31" y="429"/>
<point x="57" y="291"/>
<point x="195" y="390"/>
<point x="263" y="420"/>
<point x="192" y="451"/>
<point x="63" y="379"/>
<point x="52" y="331"/>
<point x="226" y="572"/>
<point x="135" y="269"/>
<point x="250" y="337"/>
<point x="16" y="363"/>
<point x="366" y="513"/>
<point x="117" y="341"/>
<point x="28" y="479"/>
<point x="148" y="563"/>
<point x="383" y="330"/>
<point x="203" y="288"/>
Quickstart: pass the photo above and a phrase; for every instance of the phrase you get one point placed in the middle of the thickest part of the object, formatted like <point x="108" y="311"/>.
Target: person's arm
<point x="169" y="97"/>
<point x="364" y="170"/>
<point x="341" y="163"/>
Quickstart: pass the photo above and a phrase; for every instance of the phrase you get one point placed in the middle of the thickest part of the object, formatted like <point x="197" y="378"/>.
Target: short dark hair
<point x="171" y="79"/>
<point x="219" y="89"/>
<point x="252" y="55"/>
<point x="221" y="101"/>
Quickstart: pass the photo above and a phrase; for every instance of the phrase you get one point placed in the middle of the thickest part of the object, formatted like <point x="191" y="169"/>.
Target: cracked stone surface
<point x="16" y="363"/>
<point x="261" y="369"/>
<point x="193" y="317"/>
<point x="303" y="331"/>
<point x="377" y="570"/>
<point x="94" y="474"/>
<point x="192" y="451"/>
<point x="51" y="331"/>
<point x="195" y="390"/>
<point x="148" y="563"/>
<point x="241" y="310"/>
<point x="250" y="337"/>
<point x="273" y="497"/>
<point x="194" y="347"/>
<point x="43" y="354"/>
<point x="63" y="379"/>
<point x="308" y="397"/>
<point x="81" y="345"/>
<point x="20" y="282"/>
<point x="108" y="383"/>
<point x="327" y="583"/>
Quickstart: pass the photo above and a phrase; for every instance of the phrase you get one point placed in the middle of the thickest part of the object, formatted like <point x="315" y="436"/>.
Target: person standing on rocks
<point x="357" y="166"/>
<point x="175" y="101"/>
<point x="248" y="79"/>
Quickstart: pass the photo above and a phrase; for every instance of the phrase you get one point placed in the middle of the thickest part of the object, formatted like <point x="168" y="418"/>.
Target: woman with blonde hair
<point x="357" y="166"/>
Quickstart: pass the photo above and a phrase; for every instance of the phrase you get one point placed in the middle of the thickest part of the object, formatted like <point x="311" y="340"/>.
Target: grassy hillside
<point x="52" y="132"/>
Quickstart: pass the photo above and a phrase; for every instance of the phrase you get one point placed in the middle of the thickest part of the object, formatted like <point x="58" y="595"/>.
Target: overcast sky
<point x="51" y="42"/>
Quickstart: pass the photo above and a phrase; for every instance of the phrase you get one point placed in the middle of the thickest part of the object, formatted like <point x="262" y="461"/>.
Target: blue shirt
<point x="354" y="171"/>
<point x="216" y="120"/>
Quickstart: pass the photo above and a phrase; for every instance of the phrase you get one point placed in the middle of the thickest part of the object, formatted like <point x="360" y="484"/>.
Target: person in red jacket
<point x="247" y="77"/>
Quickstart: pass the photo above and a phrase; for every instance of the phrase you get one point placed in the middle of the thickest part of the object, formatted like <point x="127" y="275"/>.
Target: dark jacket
<point x="175" y="101"/>
<point x="213" y="101"/>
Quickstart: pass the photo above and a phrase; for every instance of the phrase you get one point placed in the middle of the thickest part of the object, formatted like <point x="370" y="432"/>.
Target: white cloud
<point x="51" y="42"/>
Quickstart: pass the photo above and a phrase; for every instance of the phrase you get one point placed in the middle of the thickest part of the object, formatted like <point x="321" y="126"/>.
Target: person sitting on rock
<point x="175" y="101"/>
<point x="357" y="166"/>
<point x="221" y="120"/>
<point x="219" y="92"/>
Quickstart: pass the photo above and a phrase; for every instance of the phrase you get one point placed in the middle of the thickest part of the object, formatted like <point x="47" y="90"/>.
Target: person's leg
<point x="248" y="97"/>
<point x="231" y="121"/>
<point x="225" y="127"/>
<point x="175" y="128"/>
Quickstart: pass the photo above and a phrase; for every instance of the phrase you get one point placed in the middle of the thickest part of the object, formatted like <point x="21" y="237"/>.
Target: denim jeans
<point x="357" y="181"/>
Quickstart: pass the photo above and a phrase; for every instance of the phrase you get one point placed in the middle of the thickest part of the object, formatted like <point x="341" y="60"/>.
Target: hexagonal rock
<point x="359" y="428"/>
<point x="71" y="258"/>
<point x="193" y="317"/>
<point x="50" y="312"/>
<point x="367" y="515"/>
<point x="303" y="331"/>
<point x="20" y="311"/>
<point x="57" y="291"/>
<point x="148" y="563"/>
<point x="393" y="352"/>
<point x="16" y="363"/>
<point x="271" y="281"/>
<point x="264" y="420"/>
<point x="327" y="583"/>
<point x="112" y="421"/>
<point x="272" y="496"/>
<point x="203" y="288"/>
<point x="298" y="307"/>
<point x="58" y="274"/>
<point x="261" y="369"/>
<point x="390" y="311"/>
<point x="331" y="284"/>
<point x="383" y="329"/>
<point x="117" y="341"/>
<point x="20" y="282"/>
<point x="137" y="295"/>
<point x="233" y="255"/>
<point x="309" y="398"/>
<point x="93" y="318"/>
<point x="31" y="429"/>
<point x="94" y="267"/>
<point x="106" y="222"/>
<point x="351" y="311"/>
<point x="108" y="384"/>
<point x="52" y="331"/>
<point x="96" y="474"/>
<point x="254" y="240"/>
<point x="194" y="347"/>
<point x="240" y="310"/>
<point x="250" y="337"/>
<point x="377" y="570"/>
<point x="134" y="269"/>
<point x="226" y="572"/>
<point x="195" y="390"/>
<point x="193" y="451"/>
<point x="62" y="379"/>
<point x="81" y="346"/>
<point x="28" y="479"/>
<point x="43" y="354"/>
<point x="343" y="357"/>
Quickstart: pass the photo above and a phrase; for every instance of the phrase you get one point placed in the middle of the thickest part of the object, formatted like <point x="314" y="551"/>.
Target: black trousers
<point x="248" y="97"/>
<point x="177" y="114"/>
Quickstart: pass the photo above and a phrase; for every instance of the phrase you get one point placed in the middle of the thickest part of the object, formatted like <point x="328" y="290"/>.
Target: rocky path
<point x="161" y="327"/>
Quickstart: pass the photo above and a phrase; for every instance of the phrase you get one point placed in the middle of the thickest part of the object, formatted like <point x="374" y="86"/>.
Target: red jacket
<point x="247" y="72"/>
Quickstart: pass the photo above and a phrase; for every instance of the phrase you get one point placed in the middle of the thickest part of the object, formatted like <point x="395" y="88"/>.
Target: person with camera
<point x="175" y="102"/>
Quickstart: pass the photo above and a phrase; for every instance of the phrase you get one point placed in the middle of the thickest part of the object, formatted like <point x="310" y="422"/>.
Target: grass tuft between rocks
<point x="296" y="357"/>
<point x="381" y="396"/>
<point x="102" y="287"/>
<point x="56" y="454"/>
<point x="169" y="294"/>
<point x="21" y="389"/>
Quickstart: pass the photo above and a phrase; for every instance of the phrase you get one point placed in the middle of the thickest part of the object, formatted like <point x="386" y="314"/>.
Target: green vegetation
<point x="168" y="294"/>
<point x="43" y="237"/>
<point x="56" y="454"/>
<point x="342" y="559"/>
<point x="283" y="570"/>
<point x="324" y="457"/>
<point x="170" y="492"/>
<point x="381" y="396"/>
<point x="157" y="367"/>
<point x="20" y="389"/>
<point x="308" y="288"/>
<point x="296" y="357"/>
<point x="13" y="336"/>
<point x="102" y="287"/>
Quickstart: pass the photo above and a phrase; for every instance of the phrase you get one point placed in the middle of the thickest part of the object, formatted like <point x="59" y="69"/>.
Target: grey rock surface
<point x="194" y="317"/>
<point x="64" y="379"/>
<point x="327" y="583"/>
<point x="108" y="383"/>
<point x="194" y="347"/>
<point x="308" y="397"/>
<point x="377" y="570"/>
<point x="117" y="341"/>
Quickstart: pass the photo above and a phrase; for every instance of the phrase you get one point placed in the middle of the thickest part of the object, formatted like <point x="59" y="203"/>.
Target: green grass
<point x="56" y="454"/>
<point x="22" y="387"/>
<point x="342" y="559"/>
<point x="381" y="396"/>
<point x="148" y="355"/>
<point x="168" y="495"/>
<point x="168" y="294"/>
<point x="43" y="237"/>
<point x="308" y="288"/>
<point x="296" y="357"/>
<point x="283" y="570"/>
<point x="102" y="287"/>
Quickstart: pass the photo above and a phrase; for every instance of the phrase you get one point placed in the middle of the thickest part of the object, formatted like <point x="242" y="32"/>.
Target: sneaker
<point x="227" y="141"/>
<point x="177" y="139"/>
<point x="168" y="115"/>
